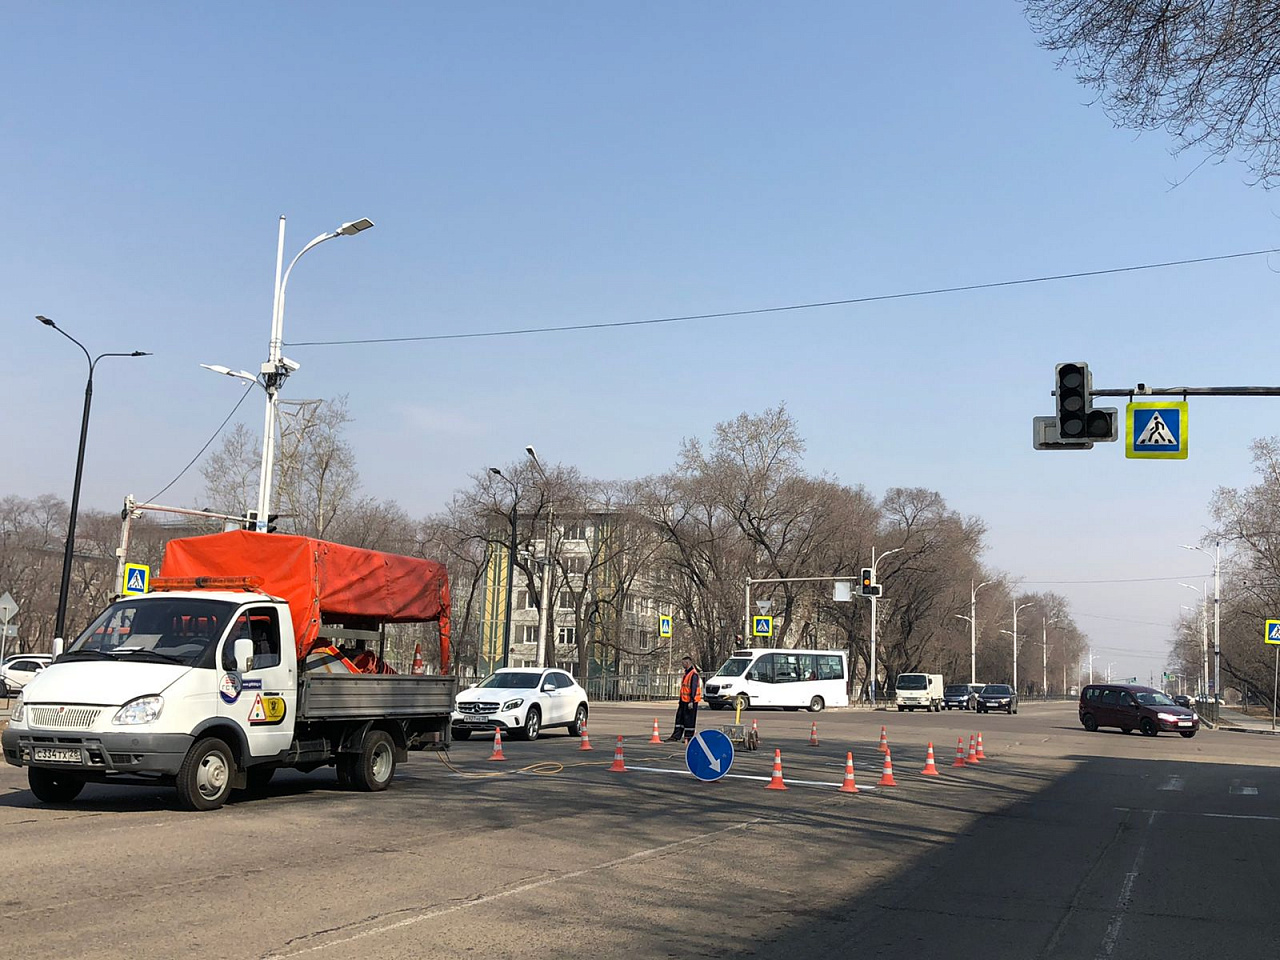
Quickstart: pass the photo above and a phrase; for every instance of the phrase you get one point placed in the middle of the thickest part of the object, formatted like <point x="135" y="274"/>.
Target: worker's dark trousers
<point x="686" y="721"/>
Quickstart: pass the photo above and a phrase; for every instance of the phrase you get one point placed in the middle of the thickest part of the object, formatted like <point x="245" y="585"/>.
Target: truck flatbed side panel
<point x="334" y="696"/>
<point x="321" y="579"/>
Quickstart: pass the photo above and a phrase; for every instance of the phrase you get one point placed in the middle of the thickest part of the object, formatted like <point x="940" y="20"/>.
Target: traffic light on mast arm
<point x="1078" y="421"/>
<point x="271" y="522"/>
<point x="865" y="585"/>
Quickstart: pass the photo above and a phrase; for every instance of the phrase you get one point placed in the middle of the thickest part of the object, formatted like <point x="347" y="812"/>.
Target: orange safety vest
<point x="691" y="687"/>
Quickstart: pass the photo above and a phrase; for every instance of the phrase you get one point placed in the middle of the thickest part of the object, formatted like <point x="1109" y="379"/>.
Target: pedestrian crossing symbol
<point x="137" y="579"/>
<point x="762" y="626"/>
<point x="1272" y="633"/>
<point x="664" y="626"/>
<point x="1156" y="431"/>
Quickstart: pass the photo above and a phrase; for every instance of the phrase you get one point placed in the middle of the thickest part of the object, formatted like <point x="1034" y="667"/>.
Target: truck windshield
<point x="734" y="667"/>
<point x="913" y="681"/>
<point x="181" y="630"/>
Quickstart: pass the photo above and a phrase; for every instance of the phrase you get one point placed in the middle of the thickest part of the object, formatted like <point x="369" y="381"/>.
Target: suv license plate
<point x="56" y="754"/>
<point x="1184" y="723"/>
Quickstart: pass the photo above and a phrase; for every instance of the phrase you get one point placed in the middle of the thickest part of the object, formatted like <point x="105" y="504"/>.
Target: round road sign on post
<point x="709" y="755"/>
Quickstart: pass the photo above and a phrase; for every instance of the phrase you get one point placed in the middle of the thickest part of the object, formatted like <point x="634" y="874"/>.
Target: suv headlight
<point x="19" y="708"/>
<point x="142" y="710"/>
<point x="513" y="704"/>
<point x="1169" y="717"/>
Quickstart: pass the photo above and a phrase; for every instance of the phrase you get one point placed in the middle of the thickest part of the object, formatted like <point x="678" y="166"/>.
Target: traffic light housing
<point x="1072" y="384"/>
<point x="250" y="521"/>
<point x="866" y="585"/>
<point x="271" y="522"/>
<point x="1077" y="424"/>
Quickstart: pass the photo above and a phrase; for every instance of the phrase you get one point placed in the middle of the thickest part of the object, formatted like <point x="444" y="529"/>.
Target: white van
<point x="918" y="690"/>
<point x="813" y="679"/>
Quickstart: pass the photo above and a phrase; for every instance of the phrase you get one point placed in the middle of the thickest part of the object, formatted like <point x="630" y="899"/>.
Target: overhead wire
<point x="811" y="305"/>
<point x="152" y="498"/>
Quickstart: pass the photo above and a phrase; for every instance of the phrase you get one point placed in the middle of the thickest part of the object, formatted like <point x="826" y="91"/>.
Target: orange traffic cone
<point x="497" y="745"/>
<point x="657" y="737"/>
<point x="585" y="743"/>
<point x="981" y="755"/>
<point x="755" y="732"/>
<point x="848" y="786"/>
<point x="959" y="752"/>
<point x="973" y="751"/>
<point x="886" y="777"/>
<point x="884" y="741"/>
<point x="775" y="782"/>
<point x="813" y="734"/>
<point x="618" y="765"/>
<point x="929" y="769"/>
<point x="418" y="668"/>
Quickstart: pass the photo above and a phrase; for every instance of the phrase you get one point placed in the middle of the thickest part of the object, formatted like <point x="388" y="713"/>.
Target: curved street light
<point x="278" y="367"/>
<point x="64" y="587"/>
<point x="875" y="562"/>
<point x="544" y="615"/>
<point x="1217" y="606"/>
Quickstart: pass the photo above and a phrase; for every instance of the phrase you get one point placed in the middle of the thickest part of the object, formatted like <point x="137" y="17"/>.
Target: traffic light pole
<point x="132" y="510"/>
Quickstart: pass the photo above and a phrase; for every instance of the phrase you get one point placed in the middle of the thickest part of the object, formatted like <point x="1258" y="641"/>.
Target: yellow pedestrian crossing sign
<point x="762" y="626"/>
<point x="137" y="579"/>
<point x="1272" y="632"/>
<point x="664" y="626"/>
<point x="1156" y="430"/>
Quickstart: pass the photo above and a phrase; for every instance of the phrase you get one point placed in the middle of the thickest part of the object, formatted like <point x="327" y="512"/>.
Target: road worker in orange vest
<point x="690" y="697"/>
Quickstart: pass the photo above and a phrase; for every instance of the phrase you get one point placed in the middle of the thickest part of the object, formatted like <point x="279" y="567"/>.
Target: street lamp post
<point x="973" y="627"/>
<point x="64" y="588"/>
<point x="1044" y="656"/>
<point x="544" y="619"/>
<point x="1204" y="632"/>
<point x="1016" y="607"/>
<point x="511" y="566"/>
<point x="1217" y="611"/>
<point x="278" y="367"/>
<point x="875" y="562"/>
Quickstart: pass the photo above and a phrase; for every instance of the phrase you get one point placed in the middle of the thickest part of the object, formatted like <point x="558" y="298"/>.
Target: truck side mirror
<point x="244" y="654"/>
<point x="57" y="647"/>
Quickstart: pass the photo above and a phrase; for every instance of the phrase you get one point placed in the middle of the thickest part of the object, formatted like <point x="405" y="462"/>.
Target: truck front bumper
<point x="97" y="754"/>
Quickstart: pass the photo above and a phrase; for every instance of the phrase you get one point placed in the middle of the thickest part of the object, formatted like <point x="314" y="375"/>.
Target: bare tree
<point x="1203" y="70"/>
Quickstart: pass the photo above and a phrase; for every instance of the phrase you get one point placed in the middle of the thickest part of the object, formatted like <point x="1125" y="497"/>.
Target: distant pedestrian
<point x="690" y="697"/>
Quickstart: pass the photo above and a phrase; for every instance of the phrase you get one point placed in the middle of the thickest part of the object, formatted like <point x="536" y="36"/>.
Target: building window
<point x="566" y="600"/>
<point x="645" y="641"/>
<point x="529" y="633"/>
<point x="522" y="600"/>
<point x="575" y="565"/>
<point x="575" y="531"/>
<point x="567" y="635"/>
<point x="630" y="604"/>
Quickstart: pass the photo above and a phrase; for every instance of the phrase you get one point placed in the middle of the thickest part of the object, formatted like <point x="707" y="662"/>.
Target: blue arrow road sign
<point x="709" y="755"/>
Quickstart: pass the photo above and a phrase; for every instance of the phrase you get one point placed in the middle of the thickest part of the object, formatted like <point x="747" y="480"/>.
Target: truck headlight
<point x="142" y="710"/>
<point x="513" y="704"/>
<point x="19" y="708"/>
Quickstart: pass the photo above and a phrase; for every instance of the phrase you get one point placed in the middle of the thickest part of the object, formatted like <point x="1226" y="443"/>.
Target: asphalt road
<point x="1063" y="844"/>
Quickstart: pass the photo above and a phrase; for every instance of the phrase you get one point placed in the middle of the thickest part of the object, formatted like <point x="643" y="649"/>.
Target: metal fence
<point x="657" y="686"/>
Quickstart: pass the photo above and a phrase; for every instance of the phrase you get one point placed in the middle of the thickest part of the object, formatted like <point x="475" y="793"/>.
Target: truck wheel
<point x="204" y="779"/>
<point x="52" y="787"/>
<point x="532" y="724"/>
<point x="579" y="721"/>
<point x="373" y="769"/>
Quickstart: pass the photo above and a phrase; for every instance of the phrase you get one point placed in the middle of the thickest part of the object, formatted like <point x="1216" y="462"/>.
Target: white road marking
<point x="1173" y="783"/>
<point x="1239" y="790"/>
<point x="1112" y="935"/>
<point x="431" y="914"/>
<point x="1237" y="816"/>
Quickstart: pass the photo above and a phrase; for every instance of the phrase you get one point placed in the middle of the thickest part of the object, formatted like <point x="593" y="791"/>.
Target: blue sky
<point x="541" y="164"/>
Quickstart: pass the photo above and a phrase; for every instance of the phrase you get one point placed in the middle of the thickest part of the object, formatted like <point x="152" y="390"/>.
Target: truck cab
<point x="918" y="691"/>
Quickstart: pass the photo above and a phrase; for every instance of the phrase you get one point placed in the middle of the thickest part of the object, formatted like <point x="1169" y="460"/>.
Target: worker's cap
<point x="687" y="657"/>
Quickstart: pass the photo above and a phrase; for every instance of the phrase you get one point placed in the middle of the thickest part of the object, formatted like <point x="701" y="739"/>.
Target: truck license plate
<point x="56" y="754"/>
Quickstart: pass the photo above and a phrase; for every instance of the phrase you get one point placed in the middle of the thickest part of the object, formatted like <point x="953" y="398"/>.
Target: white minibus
<point x="813" y="679"/>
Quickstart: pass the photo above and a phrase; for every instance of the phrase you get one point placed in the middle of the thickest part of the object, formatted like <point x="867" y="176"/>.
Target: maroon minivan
<point x="1131" y="707"/>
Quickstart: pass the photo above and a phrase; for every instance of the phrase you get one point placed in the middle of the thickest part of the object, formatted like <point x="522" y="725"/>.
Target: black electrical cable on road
<point x="879" y="298"/>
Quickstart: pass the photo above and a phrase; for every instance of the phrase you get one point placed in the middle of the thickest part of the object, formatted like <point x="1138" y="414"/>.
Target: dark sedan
<point x="997" y="696"/>
<point x="956" y="696"/>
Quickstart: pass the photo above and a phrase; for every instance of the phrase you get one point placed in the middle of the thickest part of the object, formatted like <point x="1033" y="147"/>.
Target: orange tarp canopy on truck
<point x="322" y="581"/>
